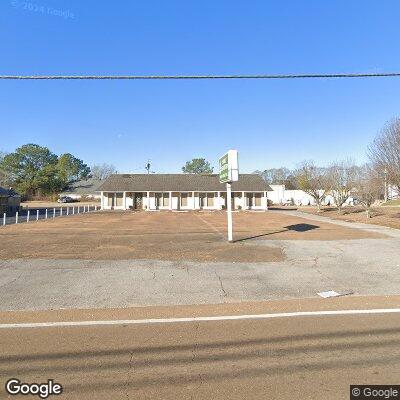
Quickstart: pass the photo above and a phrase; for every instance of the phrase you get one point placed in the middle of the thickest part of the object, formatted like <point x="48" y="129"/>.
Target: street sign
<point x="228" y="173"/>
<point x="229" y="167"/>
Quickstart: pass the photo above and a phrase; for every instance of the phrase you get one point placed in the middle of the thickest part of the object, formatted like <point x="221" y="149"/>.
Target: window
<point x="110" y="200"/>
<point x="120" y="197"/>
<point x="162" y="199"/>
<point x="165" y="200"/>
<point x="257" y="199"/>
<point x="210" y="199"/>
<point x="184" y="199"/>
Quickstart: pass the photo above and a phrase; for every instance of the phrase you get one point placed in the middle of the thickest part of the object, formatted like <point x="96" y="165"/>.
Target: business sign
<point x="229" y="167"/>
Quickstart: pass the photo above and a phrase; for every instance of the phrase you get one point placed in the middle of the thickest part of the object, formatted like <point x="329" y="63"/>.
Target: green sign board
<point x="224" y="169"/>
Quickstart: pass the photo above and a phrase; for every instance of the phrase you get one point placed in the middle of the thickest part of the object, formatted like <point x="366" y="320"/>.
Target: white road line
<point x="197" y="319"/>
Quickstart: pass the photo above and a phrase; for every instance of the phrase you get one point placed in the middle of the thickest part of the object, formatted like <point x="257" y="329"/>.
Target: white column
<point x="124" y="200"/>
<point x="219" y="200"/>
<point x="243" y="201"/>
<point x="4" y="219"/>
<point x="37" y="215"/>
<point x="102" y="200"/>
<point x="148" y="201"/>
<point x="170" y="200"/>
<point x="193" y="201"/>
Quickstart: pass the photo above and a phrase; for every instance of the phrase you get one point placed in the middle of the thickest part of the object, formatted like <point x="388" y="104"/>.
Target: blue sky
<point x="270" y="123"/>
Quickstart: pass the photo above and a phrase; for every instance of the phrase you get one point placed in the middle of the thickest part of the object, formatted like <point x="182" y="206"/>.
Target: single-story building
<point x="10" y="201"/>
<point x="87" y="188"/>
<point x="181" y="192"/>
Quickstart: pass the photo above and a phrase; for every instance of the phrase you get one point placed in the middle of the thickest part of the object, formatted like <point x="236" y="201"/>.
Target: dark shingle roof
<point x="8" y="192"/>
<point x="179" y="183"/>
<point x="88" y="186"/>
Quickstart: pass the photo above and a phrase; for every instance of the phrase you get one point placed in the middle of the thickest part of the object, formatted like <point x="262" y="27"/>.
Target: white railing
<point x="45" y="213"/>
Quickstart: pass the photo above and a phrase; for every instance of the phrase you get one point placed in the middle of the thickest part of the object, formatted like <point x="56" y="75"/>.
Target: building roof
<point x="180" y="183"/>
<point x="8" y="192"/>
<point x="87" y="186"/>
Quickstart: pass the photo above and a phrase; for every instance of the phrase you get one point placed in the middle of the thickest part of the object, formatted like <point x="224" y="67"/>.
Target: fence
<point x="36" y="214"/>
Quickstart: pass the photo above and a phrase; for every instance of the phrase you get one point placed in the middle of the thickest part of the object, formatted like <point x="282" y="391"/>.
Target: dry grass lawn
<point x="385" y="216"/>
<point x="163" y="236"/>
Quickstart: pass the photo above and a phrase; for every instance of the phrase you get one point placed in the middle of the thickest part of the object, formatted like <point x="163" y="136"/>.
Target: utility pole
<point x="148" y="166"/>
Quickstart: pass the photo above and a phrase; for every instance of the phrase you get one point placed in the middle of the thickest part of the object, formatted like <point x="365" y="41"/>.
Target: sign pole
<point x="228" y="173"/>
<point x="229" y="210"/>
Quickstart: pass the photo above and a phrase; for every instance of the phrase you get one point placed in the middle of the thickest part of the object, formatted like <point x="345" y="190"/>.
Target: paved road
<point x="304" y="357"/>
<point x="362" y="267"/>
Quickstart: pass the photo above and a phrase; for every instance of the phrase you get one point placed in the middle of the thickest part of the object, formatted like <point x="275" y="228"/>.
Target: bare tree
<point x="102" y="171"/>
<point x="384" y="152"/>
<point x="342" y="179"/>
<point x="368" y="187"/>
<point x="279" y="176"/>
<point x="312" y="180"/>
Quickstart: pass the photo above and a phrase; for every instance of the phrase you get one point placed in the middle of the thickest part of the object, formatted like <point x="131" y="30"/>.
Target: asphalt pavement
<point x="291" y="356"/>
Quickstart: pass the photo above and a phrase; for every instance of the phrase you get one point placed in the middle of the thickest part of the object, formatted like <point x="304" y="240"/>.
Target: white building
<point x="281" y="195"/>
<point x="86" y="188"/>
<point x="393" y="192"/>
<point x="181" y="192"/>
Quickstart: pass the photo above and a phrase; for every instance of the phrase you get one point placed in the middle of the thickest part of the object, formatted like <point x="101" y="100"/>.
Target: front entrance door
<point x="202" y="200"/>
<point x="138" y="202"/>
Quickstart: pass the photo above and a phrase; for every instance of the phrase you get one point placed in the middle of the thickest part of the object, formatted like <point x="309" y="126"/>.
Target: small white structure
<point x="393" y="192"/>
<point x="181" y="192"/>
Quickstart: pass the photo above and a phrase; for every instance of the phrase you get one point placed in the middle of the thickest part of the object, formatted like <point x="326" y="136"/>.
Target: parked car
<point x="65" y="199"/>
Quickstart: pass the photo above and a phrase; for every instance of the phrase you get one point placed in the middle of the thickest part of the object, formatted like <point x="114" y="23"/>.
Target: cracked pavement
<point x="361" y="266"/>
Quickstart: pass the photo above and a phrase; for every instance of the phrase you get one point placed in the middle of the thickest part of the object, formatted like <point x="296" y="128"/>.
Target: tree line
<point x="36" y="172"/>
<point x="344" y="179"/>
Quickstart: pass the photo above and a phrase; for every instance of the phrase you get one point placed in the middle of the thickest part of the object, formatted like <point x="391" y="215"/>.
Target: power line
<point x="188" y="77"/>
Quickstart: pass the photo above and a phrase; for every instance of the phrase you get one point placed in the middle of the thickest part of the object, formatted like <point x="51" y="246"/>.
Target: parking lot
<point x="166" y="236"/>
<point x="122" y="259"/>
